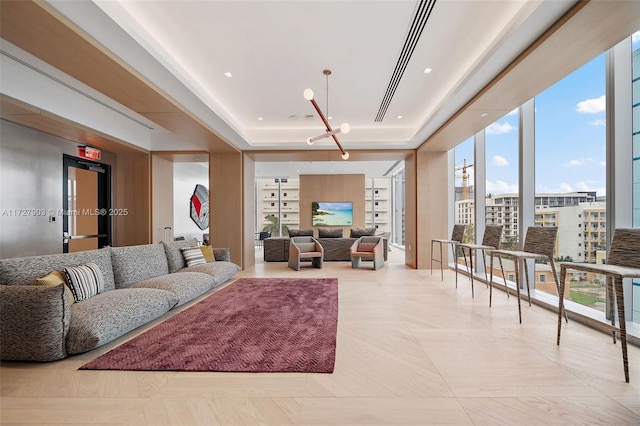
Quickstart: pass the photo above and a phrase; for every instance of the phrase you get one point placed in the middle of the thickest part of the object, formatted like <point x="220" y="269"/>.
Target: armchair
<point x="368" y="248"/>
<point x="305" y="248"/>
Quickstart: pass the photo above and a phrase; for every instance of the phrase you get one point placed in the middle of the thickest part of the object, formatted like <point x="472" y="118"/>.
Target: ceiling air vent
<point x="419" y="21"/>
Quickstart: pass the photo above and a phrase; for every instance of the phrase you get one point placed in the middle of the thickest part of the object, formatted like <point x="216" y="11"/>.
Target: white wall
<point x="31" y="190"/>
<point x="185" y="178"/>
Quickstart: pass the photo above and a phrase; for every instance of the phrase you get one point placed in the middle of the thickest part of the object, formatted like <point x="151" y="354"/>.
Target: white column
<point x="620" y="148"/>
<point x="480" y="191"/>
<point x="527" y="177"/>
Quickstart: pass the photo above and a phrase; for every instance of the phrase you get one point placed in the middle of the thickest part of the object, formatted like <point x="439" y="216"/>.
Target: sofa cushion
<point x="26" y="270"/>
<point x="330" y="232"/>
<point x="220" y="271"/>
<point x="34" y="322"/>
<point x="306" y="247"/>
<point x="362" y="232"/>
<point x="175" y="260"/>
<point x="84" y="280"/>
<point x="366" y="247"/>
<point x="186" y="286"/>
<point x="300" y="232"/>
<point x="193" y="256"/>
<point x="138" y="263"/>
<point x="53" y="279"/>
<point x="107" y="316"/>
<point x="222" y="254"/>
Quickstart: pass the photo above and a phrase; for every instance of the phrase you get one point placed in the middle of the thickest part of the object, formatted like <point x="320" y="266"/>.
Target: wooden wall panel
<point x="332" y="188"/>
<point x="225" y="203"/>
<point x="249" y="211"/>
<point x="132" y="191"/>
<point x="412" y="244"/>
<point x="162" y="197"/>
<point x="431" y="203"/>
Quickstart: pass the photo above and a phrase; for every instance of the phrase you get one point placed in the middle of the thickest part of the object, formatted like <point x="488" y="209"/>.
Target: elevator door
<point x="87" y="219"/>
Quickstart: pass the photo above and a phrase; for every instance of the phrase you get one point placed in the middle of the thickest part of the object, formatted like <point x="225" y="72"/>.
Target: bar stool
<point x="456" y="237"/>
<point x="539" y="244"/>
<point x="490" y="241"/>
<point x="623" y="261"/>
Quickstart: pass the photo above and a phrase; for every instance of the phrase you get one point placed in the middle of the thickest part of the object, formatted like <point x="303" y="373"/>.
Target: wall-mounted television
<point x="331" y="213"/>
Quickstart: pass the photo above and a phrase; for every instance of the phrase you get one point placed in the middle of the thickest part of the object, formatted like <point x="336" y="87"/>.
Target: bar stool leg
<point x="563" y="277"/>
<point x="622" y="325"/>
<point x="515" y="265"/>
<point x="526" y="276"/>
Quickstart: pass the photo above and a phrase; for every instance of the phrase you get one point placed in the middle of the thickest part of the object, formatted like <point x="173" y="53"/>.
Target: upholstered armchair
<point x="368" y="248"/>
<point x="305" y="248"/>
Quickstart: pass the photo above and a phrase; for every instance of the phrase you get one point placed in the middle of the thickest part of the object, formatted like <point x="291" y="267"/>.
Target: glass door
<point x="86" y="203"/>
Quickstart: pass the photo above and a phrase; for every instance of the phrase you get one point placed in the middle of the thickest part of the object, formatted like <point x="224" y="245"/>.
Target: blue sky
<point x="570" y="137"/>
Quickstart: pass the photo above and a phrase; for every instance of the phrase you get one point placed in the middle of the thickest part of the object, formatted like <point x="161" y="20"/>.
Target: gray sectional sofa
<point x="141" y="283"/>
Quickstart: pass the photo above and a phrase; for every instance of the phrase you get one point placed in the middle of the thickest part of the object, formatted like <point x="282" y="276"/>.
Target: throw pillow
<point x="84" y="280"/>
<point x="207" y="253"/>
<point x="300" y="232"/>
<point x="366" y="247"/>
<point x="53" y="279"/>
<point x="193" y="256"/>
<point x="330" y="232"/>
<point x="362" y="232"/>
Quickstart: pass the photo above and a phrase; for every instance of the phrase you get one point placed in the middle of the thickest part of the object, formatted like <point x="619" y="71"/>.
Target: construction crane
<point x="465" y="178"/>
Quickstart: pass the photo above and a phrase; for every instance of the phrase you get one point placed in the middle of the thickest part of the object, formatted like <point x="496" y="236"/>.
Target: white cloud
<point x="635" y="37"/>
<point x="603" y="163"/>
<point x="585" y="185"/>
<point x="578" y="162"/>
<point x="514" y="112"/>
<point x="499" y="129"/>
<point x="565" y="187"/>
<point x="599" y="122"/>
<point x="499" y="161"/>
<point x="592" y="106"/>
<point x="501" y="187"/>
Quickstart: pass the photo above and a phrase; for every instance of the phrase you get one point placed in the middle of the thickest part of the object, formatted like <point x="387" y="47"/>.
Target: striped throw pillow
<point x="84" y="280"/>
<point x="193" y="256"/>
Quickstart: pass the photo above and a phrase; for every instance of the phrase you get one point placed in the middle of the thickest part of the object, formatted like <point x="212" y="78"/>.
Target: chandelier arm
<point x="327" y="125"/>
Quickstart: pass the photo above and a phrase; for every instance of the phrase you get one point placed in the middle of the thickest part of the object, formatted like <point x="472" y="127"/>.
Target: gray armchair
<point x="371" y="248"/>
<point x="305" y="248"/>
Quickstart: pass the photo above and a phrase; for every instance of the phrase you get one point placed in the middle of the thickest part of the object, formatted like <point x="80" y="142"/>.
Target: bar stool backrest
<point x="458" y="233"/>
<point x="541" y="240"/>
<point x="625" y="248"/>
<point x="492" y="236"/>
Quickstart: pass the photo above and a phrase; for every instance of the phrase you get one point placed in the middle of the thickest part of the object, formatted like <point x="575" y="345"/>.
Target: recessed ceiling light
<point x="329" y="118"/>
<point x="427" y="70"/>
<point x="484" y="114"/>
<point x="399" y="117"/>
<point x="260" y="118"/>
<point x="228" y="74"/>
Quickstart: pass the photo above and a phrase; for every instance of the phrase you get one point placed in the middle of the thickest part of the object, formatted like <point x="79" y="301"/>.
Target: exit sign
<point x="89" y="153"/>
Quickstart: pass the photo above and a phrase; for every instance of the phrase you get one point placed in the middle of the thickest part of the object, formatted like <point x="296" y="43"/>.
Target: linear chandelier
<point x="344" y="127"/>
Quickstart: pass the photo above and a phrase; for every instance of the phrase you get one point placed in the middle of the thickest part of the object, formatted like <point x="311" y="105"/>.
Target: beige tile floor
<point x="411" y="350"/>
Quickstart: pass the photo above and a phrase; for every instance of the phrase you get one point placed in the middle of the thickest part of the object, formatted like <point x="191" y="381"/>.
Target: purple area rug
<point x="253" y="325"/>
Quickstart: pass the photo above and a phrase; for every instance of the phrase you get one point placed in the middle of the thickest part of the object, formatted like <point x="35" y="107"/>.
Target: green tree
<point x="274" y="226"/>
<point x="469" y="234"/>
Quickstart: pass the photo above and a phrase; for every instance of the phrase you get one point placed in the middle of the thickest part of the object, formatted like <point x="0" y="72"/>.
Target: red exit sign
<point x="89" y="153"/>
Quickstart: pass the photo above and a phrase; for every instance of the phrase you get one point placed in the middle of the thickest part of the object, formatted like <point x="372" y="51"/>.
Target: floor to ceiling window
<point x="635" y="52"/>
<point x="464" y="188"/>
<point x="570" y="162"/>
<point x="501" y="184"/>
<point x="398" y="208"/>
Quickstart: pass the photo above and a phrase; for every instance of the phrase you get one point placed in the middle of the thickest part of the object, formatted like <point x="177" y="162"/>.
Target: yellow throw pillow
<point x="207" y="252"/>
<point x="53" y="279"/>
